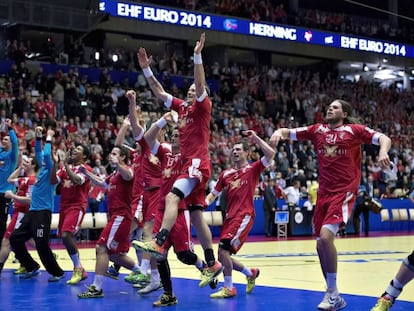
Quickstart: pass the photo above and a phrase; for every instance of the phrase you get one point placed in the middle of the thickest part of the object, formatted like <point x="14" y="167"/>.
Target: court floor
<point x="290" y="279"/>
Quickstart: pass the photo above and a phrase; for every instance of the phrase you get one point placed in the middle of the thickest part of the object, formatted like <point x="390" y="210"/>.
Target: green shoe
<point x="20" y="270"/>
<point x="210" y="273"/>
<point x="92" y="292"/>
<point x="137" y="277"/>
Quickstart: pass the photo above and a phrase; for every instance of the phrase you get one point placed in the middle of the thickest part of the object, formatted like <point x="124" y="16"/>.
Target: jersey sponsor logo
<point x="153" y="159"/>
<point x="237" y="183"/>
<point x="67" y="183"/>
<point x="330" y="150"/>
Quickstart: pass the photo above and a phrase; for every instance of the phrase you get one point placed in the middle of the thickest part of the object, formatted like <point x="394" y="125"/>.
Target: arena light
<point x="385" y="74"/>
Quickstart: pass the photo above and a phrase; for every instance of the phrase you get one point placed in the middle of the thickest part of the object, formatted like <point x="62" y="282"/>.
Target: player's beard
<point x="332" y="119"/>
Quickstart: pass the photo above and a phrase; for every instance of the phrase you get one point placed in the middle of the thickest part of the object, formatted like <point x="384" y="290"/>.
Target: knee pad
<point x="409" y="261"/>
<point x="187" y="257"/>
<point x="226" y="245"/>
<point x="178" y="193"/>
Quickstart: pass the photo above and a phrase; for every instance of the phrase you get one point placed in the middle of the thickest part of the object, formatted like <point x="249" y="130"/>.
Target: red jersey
<point x="71" y="195"/>
<point x="40" y="108"/>
<point x="97" y="193"/>
<point x="194" y="128"/>
<point x="119" y="195"/>
<point x="240" y="185"/>
<point x="71" y="128"/>
<point x="50" y="107"/>
<point x="25" y="186"/>
<point x="151" y="167"/>
<point x="339" y="153"/>
<point x="170" y="171"/>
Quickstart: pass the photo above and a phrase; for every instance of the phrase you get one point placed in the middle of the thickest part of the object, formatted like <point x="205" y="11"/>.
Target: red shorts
<point x="332" y="209"/>
<point x="179" y="236"/>
<point x="115" y="235"/>
<point x="14" y="224"/>
<point x="202" y="172"/>
<point x="150" y="203"/>
<point x="197" y="197"/>
<point x="236" y="230"/>
<point x="70" y="220"/>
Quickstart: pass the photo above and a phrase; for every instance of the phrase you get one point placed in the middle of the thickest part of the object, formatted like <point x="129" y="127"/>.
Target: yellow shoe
<point x="20" y="270"/>
<point x="251" y="280"/>
<point x="78" y="275"/>
<point x="383" y="304"/>
<point x="224" y="292"/>
<point x="210" y="273"/>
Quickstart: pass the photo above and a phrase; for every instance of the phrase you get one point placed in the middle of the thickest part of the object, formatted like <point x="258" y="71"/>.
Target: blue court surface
<point x="38" y="294"/>
<point x="290" y="279"/>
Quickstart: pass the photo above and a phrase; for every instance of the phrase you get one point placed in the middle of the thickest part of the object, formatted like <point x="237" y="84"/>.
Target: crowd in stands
<point x="261" y="99"/>
<point x="247" y="97"/>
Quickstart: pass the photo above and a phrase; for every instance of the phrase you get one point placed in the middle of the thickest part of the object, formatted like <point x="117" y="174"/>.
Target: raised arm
<point x="120" y="138"/>
<point x="14" y="141"/>
<point x="12" y="153"/>
<point x="13" y="176"/>
<point x="199" y="75"/>
<point x="151" y="135"/>
<point x="137" y="129"/>
<point x="47" y="152"/>
<point x="38" y="145"/>
<point x="268" y="151"/>
<point x="155" y="86"/>
<point x="280" y="134"/>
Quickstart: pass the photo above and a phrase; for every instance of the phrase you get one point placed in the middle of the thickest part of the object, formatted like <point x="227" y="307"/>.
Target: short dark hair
<point x="86" y="151"/>
<point x="245" y="145"/>
<point x="123" y="151"/>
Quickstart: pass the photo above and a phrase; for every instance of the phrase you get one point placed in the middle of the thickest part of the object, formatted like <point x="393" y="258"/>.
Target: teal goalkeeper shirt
<point x="8" y="162"/>
<point x="43" y="194"/>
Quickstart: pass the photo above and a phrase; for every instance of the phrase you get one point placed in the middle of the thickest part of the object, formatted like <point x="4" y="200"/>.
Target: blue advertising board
<point x="156" y="14"/>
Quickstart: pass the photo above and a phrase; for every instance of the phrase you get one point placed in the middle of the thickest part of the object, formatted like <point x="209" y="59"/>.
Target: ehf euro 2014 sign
<point x="157" y="14"/>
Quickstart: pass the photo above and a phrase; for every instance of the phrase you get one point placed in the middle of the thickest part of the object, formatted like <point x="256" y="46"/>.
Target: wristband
<point x="147" y="72"/>
<point x="161" y="123"/>
<point x="10" y="128"/>
<point x="197" y="59"/>
<point x="48" y="138"/>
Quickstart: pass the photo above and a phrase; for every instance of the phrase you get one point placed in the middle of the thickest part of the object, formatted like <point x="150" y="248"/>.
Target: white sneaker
<point x="332" y="302"/>
<point x="151" y="287"/>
